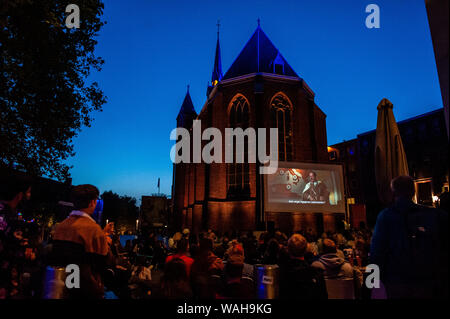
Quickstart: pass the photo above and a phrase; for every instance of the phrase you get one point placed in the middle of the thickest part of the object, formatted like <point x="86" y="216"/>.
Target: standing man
<point x="79" y="240"/>
<point x="410" y="246"/>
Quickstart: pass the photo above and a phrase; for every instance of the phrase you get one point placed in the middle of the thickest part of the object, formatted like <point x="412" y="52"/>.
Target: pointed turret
<point x="187" y="112"/>
<point x="217" y="74"/>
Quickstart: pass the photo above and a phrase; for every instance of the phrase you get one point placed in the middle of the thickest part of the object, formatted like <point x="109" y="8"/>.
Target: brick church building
<point x="259" y="90"/>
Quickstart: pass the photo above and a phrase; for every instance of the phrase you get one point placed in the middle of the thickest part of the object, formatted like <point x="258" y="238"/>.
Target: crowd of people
<point x="210" y="265"/>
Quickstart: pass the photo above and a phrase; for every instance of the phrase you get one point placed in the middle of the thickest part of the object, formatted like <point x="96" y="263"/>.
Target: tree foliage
<point x="120" y="209"/>
<point x="45" y="94"/>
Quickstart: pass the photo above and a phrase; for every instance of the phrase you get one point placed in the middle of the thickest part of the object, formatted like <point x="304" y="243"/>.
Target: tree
<point x="45" y="95"/>
<point x="120" y="209"/>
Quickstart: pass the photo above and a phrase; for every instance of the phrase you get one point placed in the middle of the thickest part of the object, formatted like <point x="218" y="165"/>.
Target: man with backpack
<point x="410" y="246"/>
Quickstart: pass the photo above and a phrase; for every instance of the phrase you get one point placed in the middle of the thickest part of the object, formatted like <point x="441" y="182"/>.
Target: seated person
<point x="182" y="251"/>
<point x="236" y="286"/>
<point x="205" y="270"/>
<point x="334" y="266"/>
<point x="298" y="280"/>
<point x="174" y="282"/>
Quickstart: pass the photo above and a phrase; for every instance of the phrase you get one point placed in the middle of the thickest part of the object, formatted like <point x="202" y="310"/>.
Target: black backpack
<point x="422" y="245"/>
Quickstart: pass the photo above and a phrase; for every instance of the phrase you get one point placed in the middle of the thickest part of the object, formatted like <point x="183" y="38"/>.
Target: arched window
<point x="281" y="113"/>
<point x="238" y="173"/>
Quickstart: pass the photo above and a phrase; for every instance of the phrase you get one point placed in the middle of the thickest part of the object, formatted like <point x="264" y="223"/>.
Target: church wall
<point x="197" y="218"/>
<point x="321" y="135"/>
<point x="189" y="218"/>
<point x="223" y="215"/>
<point x="178" y="196"/>
<point x="199" y="182"/>
<point x="191" y="192"/>
<point x="294" y="221"/>
<point x="186" y="185"/>
<point x="227" y="216"/>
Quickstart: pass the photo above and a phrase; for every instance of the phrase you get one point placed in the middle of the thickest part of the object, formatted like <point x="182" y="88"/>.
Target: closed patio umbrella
<point x="390" y="157"/>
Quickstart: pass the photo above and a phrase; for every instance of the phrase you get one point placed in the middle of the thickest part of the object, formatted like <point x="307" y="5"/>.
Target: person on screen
<point x="315" y="190"/>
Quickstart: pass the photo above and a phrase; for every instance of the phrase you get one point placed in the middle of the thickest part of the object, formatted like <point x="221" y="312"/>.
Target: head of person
<point x="329" y="247"/>
<point x="312" y="176"/>
<point x="403" y="187"/>
<point x="84" y="198"/>
<point x="235" y="261"/>
<point x="16" y="189"/>
<point x="297" y="245"/>
<point x="183" y="246"/>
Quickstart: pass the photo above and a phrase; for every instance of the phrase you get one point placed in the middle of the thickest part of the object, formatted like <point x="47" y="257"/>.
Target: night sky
<point x="154" y="49"/>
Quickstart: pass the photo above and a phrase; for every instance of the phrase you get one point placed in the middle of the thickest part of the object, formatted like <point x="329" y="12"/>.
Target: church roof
<point x="259" y="56"/>
<point x="187" y="108"/>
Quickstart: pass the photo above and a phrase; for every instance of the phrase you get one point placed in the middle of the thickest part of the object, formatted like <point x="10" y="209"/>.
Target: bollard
<point x="267" y="281"/>
<point x="54" y="283"/>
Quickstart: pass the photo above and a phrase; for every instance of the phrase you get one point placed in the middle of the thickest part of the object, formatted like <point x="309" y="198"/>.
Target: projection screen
<point x="305" y="187"/>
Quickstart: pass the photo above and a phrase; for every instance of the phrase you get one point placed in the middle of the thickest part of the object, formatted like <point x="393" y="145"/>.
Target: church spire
<point x="187" y="112"/>
<point x="217" y="71"/>
<point x="217" y="74"/>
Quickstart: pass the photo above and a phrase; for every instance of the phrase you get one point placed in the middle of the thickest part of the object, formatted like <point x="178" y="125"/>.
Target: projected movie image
<point x="307" y="187"/>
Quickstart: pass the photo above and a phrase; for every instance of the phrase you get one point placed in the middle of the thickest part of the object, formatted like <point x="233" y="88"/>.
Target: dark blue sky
<point x="153" y="49"/>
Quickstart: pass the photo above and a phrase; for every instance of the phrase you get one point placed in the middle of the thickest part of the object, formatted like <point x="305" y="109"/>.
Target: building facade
<point x="259" y="90"/>
<point x="425" y="142"/>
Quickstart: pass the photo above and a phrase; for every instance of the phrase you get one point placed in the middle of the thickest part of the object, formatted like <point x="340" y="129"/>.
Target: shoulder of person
<point x="387" y="213"/>
<point x="93" y="226"/>
<point x="346" y="266"/>
<point x="317" y="264"/>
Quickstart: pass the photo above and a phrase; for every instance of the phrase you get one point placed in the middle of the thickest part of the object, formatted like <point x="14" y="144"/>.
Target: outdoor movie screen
<point x="305" y="187"/>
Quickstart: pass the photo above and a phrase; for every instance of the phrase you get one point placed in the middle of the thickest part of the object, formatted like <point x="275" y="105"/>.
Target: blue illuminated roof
<point x="259" y="56"/>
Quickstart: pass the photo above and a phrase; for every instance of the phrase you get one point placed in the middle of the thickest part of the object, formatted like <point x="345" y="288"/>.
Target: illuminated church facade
<point x="259" y="90"/>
